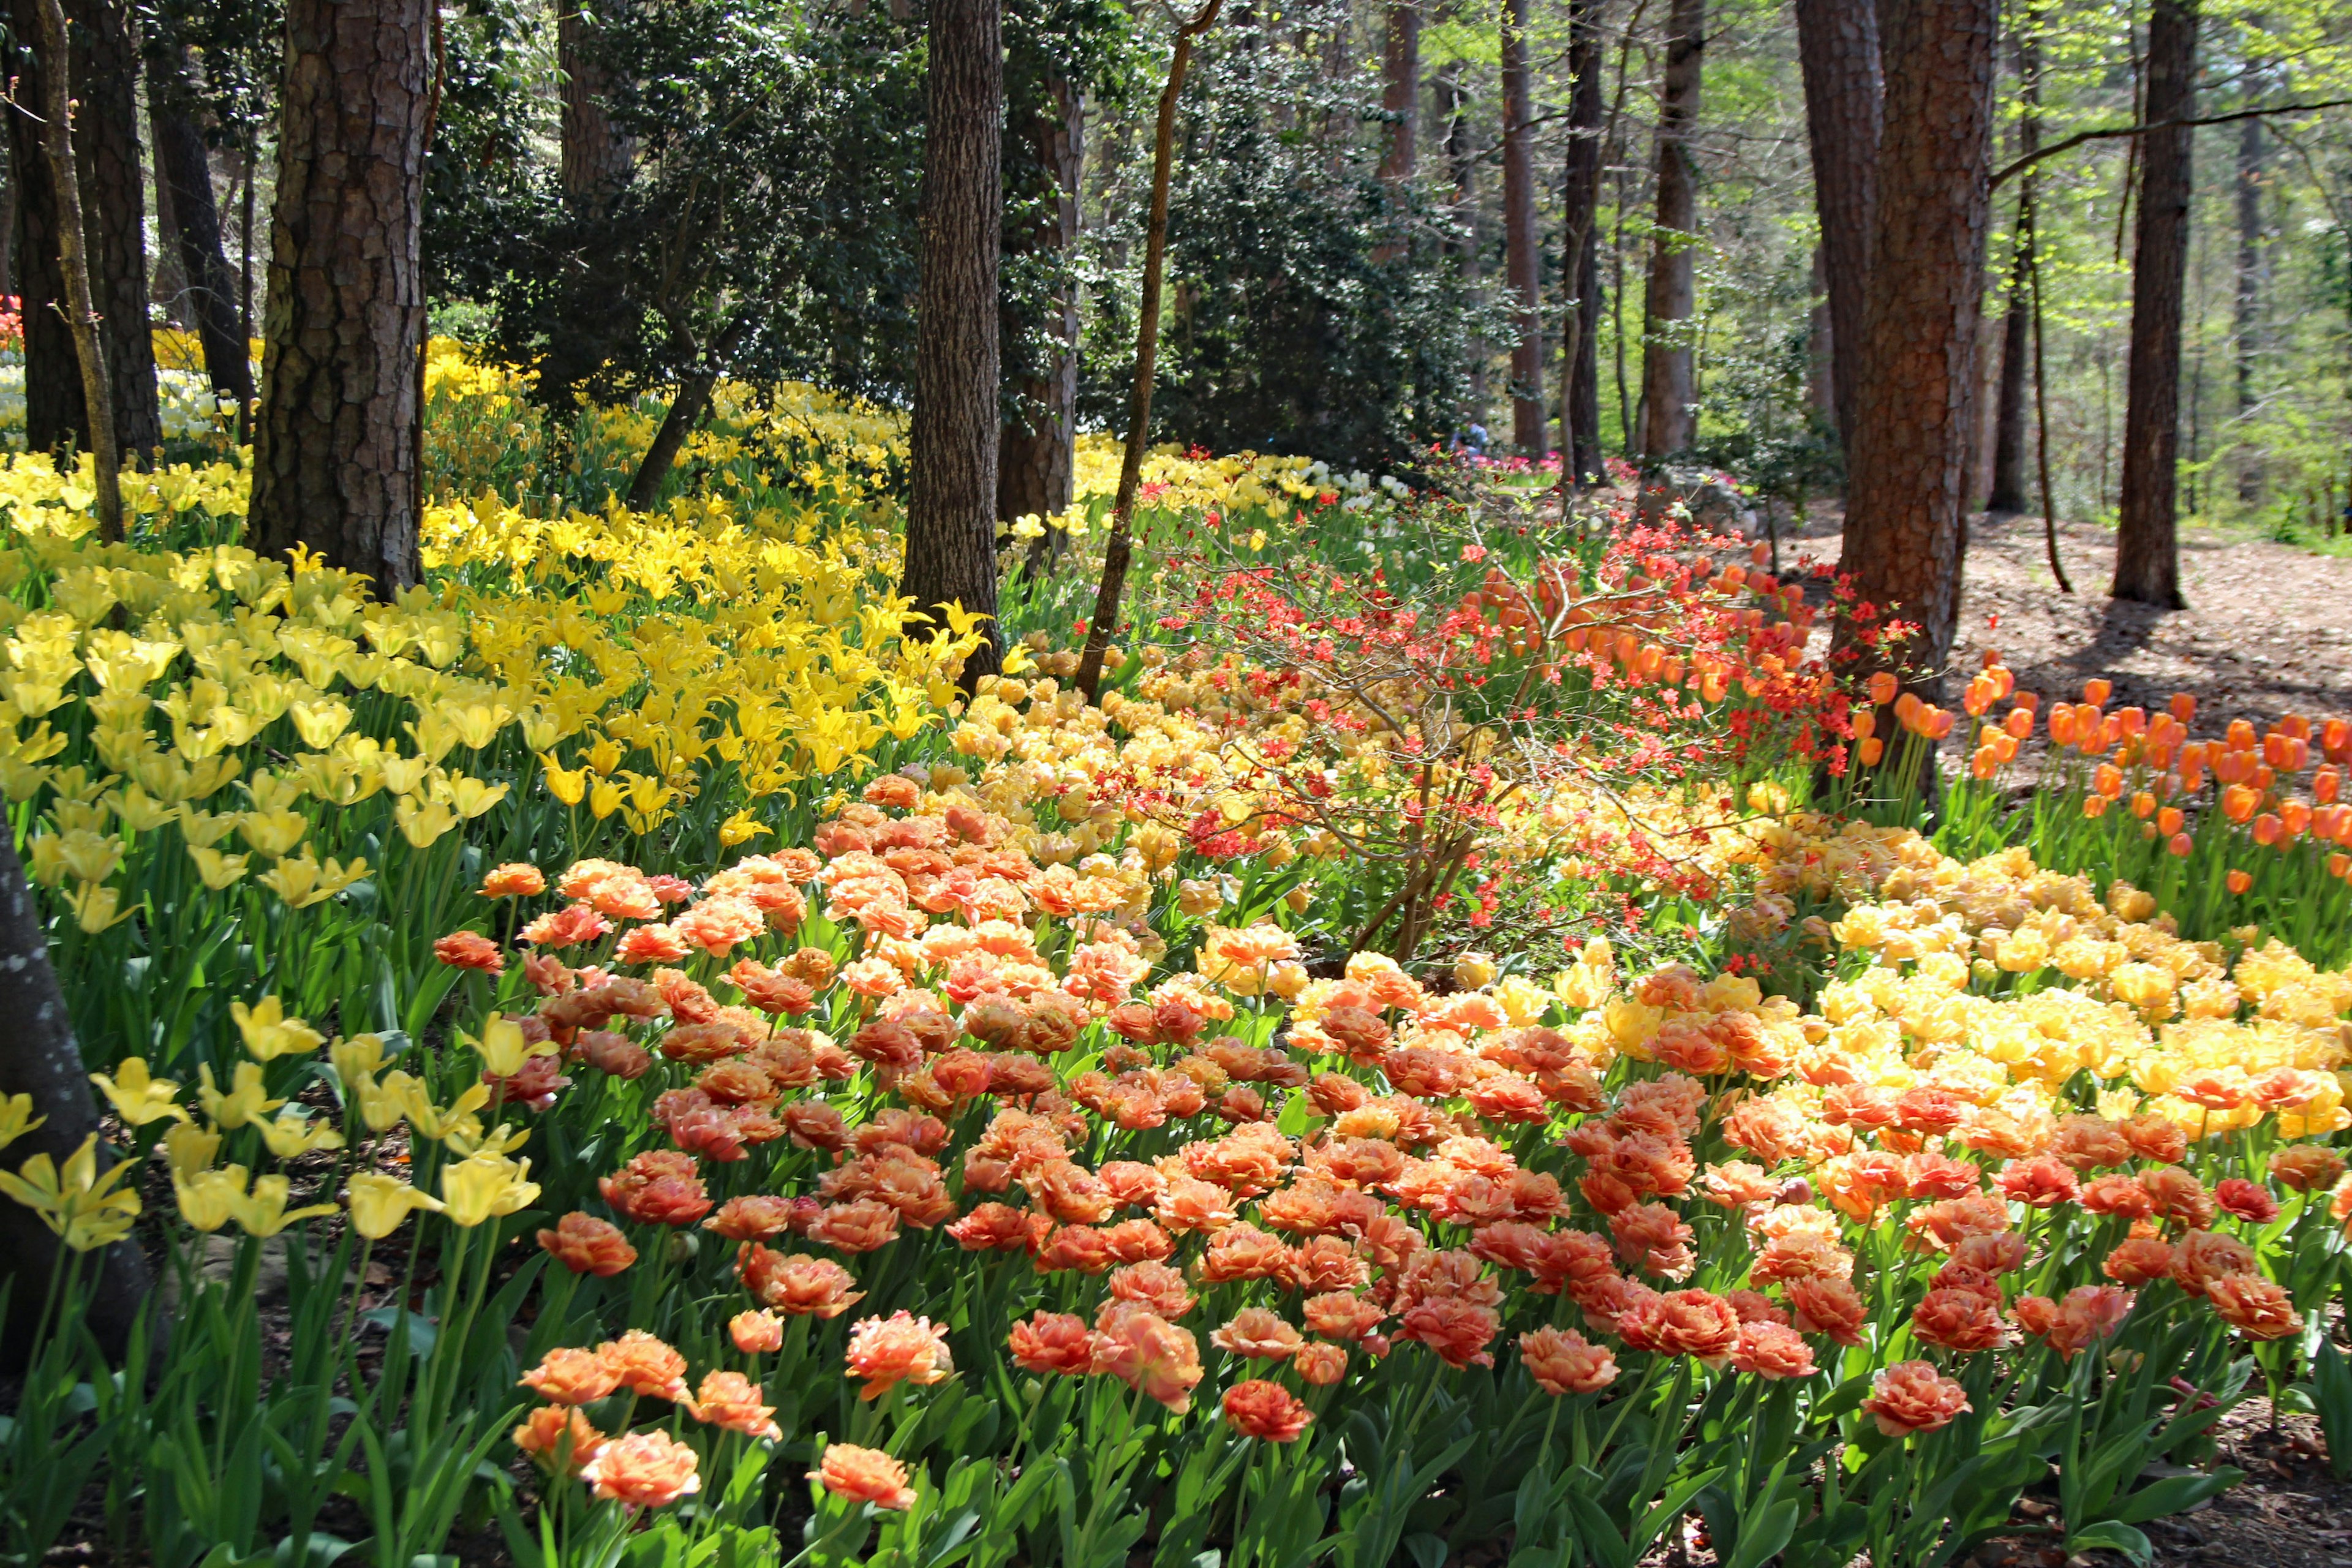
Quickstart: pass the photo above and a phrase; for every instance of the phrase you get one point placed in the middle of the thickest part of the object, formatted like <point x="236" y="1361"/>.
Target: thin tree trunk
<point x="1522" y="258"/>
<point x="2007" y="492"/>
<point x="40" y="1059"/>
<point x="7" y="230"/>
<point x="2030" y="223"/>
<point x="1838" y="51"/>
<point x="2147" y="566"/>
<point x="184" y="168"/>
<point x="1036" y="473"/>
<point x="2247" y="323"/>
<point x="335" y="464"/>
<point x="1453" y="106"/>
<point x="952" y="506"/>
<point x="1579" y="357"/>
<point x="1669" y="421"/>
<point x="73" y="261"/>
<point x="1401" y="91"/>
<point x="1907" y="520"/>
<point x="103" y="64"/>
<point x="1117" y="548"/>
<point x="595" y="155"/>
<point x="685" y="411"/>
<point x="1820" y="350"/>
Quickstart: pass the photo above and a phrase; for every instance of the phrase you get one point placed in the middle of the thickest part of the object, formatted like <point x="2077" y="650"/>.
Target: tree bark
<point x="1037" y="467"/>
<point x="2247" y="325"/>
<point x="103" y="65"/>
<point x="1838" y="52"/>
<point x="596" y="157"/>
<point x="2147" y="566"/>
<point x="1581" y="248"/>
<point x="335" y="448"/>
<point x="38" y="1057"/>
<point x="1522" y="260"/>
<point x="951" y="505"/>
<point x="59" y="111"/>
<point x="1820" y="350"/>
<point x="1669" y="422"/>
<point x="1453" y="107"/>
<point x="685" y="411"/>
<point x="1401" y="91"/>
<point x="184" y="168"/>
<point x="2007" y="492"/>
<point x="1907" y="520"/>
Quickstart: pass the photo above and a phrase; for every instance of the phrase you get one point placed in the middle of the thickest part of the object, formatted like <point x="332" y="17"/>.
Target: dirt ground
<point x="2268" y="630"/>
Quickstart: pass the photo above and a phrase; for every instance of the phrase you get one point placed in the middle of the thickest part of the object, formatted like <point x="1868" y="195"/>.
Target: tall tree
<point x="1401" y="90"/>
<point x="2007" y="492"/>
<point x="335" y="449"/>
<point x="103" y="65"/>
<point x="1036" y="470"/>
<point x="2147" y="563"/>
<point x="1668" y="390"/>
<point x="1579" y="364"/>
<point x="2253" y="273"/>
<point x="1522" y="253"/>
<point x="596" y="155"/>
<point x="184" y="168"/>
<point x="1462" y="167"/>
<point x="1907" y="517"/>
<point x="952" y="503"/>
<point x="1838" y="53"/>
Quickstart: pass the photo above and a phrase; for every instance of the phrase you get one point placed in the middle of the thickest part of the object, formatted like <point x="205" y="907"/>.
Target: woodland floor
<point x="2268" y="630"/>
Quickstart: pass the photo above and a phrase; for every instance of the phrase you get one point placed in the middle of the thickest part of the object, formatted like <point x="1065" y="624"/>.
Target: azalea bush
<point x="615" y="1059"/>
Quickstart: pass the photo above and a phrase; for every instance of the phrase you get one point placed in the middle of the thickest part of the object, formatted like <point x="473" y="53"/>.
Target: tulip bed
<point x="614" y="1061"/>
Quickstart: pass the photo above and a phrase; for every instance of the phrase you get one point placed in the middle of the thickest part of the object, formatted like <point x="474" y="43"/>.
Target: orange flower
<point x="516" y="880"/>
<point x="658" y="1187"/>
<point x="2246" y="1200"/>
<point x="1913" y="1396"/>
<point x="1342" y="1315"/>
<point x="644" y="1470"/>
<point x="2138" y="1260"/>
<point x="572" y="1376"/>
<point x="1148" y="1352"/>
<point x="753" y="1217"/>
<point x="1829" y="1307"/>
<point x="731" y="1401"/>
<point x="1259" y="1334"/>
<point x="795" y="1284"/>
<point x="901" y="1348"/>
<point x="1320" y="1364"/>
<point x="1156" y="1286"/>
<point x="866" y="1475"/>
<point x="1562" y="1360"/>
<point x="1053" y="1342"/>
<point x="1959" y="1320"/>
<point x="545" y="1432"/>
<point x="2207" y="1256"/>
<point x="470" y="950"/>
<point x="644" y="1365"/>
<point x="2255" y="1306"/>
<point x="756" y="1333"/>
<point x="1770" y="1350"/>
<point x="2307" y="1167"/>
<point x="586" y="1244"/>
<point x="1697" y="1323"/>
<point x="1268" y="1411"/>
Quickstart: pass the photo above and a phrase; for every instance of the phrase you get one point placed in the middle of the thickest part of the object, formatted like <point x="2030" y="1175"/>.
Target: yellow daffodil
<point x="485" y="1187"/>
<point x="137" y="1098"/>
<point x="248" y="1101"/>
<point x="86" y="1209"/>
<point x="270" y="1034"/>
<point x="380" y="1204"/>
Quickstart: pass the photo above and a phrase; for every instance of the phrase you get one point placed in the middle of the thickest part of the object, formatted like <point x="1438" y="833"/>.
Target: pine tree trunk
<point x="1668" y="420"/>
<point x="1907" y="520"/>
<point x="2247" y="326"/>
<point x="2007" y="492"/>
<point x="951" y="504"/>
<point x="1037" y="465"/>
<point x="2147" y="565"/>
<point x="1580" y="224"/>
<point x="335" y="447"/>
<point x="1522" y="257"/>
<point x="1838" y="51"/>
<point x="103" y="68"/>
<point x="38" y="1057"/>
<point x="184" y="168"/>
<point x="1401" y="90"/>
<point x="595" y="157"/>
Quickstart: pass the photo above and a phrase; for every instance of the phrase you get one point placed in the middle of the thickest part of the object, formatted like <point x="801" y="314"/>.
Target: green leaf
<point x="2174" y="1494"/>
<point x="2108" y="1535"/>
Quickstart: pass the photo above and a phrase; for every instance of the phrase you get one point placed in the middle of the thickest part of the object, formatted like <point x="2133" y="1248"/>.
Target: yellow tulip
<point x="248" y="1101"/>
<point x="357" y="1057"/>
<point x="485" y="1187"/>
<point x="82" y="1206"/>
<point x="740" y="828"/>
<point x="567" y="786"/>
<point x="190" y="1148"/>
<point x="423" y="824"/>
<point x="137" y="1098"/>
<point x="16" y="1117"/>
<point x="216" y="870"/>
<point x="263" y="1212"/>
<point x="205" y="828"/>
<point x="270" y="1034"/>
<point x="209" y="1199"/>
<point x="273" y="833"/>
<point x="290" y="1136"/>
<point x="473" y="1139"/>
<point x="380" y="1204"/>
<point x="503" y="1046"/>
<point x="96" y="908"/>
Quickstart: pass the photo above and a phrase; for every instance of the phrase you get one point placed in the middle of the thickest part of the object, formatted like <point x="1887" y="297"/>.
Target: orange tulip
<point x="2182" y="844"/>
<point x="2169" y="820"/>
<point x="2238" y="881"/>
<point x="2097" y="691"/>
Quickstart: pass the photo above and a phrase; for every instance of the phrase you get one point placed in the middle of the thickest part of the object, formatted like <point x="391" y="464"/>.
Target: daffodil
<point x="485" y="1187"/>
<point x="380" y="1204"/>
<point x="270" y="1034"/>
<point x="83" y="1207"/>
<point x="248" y="1101"/>
<point x="137" y="1098"/>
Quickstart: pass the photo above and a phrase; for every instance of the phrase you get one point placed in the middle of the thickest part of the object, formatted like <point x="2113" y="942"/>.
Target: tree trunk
<point x="952" y="506"/>
<point x="1838" y="50"/>
<point x="596" y="157"/>
<point x="2007" y="492"/>
<point x="1037" y="467"/>
<point x="1907" y="520"/>
<point x="59" y="110"/>
<point x="103" y="65"/>
<point x="1453" y="107"/>
<point x="184" y="168"/>
<point x="7" y="230"/>
<point x="335" y="450"/>
<point x="1580" y="249"/>
<point x="1522" y="258"/>
<point x="1401" y="91"/>
<point x="1820" y="350"/>
<point x="2247" y="327"/>
<point x="685" y="411"/>
<point x="2147" y="565"/>
<point x="1669" y="421"/>
<point x="38" y="1057"/>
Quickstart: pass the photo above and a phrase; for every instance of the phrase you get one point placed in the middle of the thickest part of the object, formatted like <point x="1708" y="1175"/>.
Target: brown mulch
<point x="2268" y="630"/>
